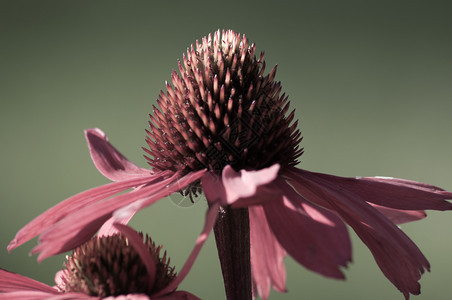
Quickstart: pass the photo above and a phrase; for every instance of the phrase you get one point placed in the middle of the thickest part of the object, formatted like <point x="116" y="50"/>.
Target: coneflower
<point x="224" y="128"/>
<point x="125" y="265"/>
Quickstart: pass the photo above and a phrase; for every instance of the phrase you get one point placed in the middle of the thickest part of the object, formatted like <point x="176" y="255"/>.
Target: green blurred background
<point x="371" y="82"/>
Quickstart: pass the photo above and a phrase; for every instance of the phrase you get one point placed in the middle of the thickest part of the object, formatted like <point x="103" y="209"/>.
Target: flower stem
<point x="232" y="235"/>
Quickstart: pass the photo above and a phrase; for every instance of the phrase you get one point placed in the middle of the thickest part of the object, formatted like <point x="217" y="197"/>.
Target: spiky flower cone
<point x="222" y="110"/>
<point x="110" y="266"/>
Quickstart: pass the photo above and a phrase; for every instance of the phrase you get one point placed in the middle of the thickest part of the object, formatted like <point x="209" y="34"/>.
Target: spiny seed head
<point x="221" y="110"/>
<point x="110" y="266"/>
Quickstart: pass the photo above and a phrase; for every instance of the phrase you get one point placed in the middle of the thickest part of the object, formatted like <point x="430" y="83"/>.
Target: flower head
<point x="124" y="265"/>
<point x="222" y="127"/>
<point x="93" y="268"/>
<point x="222" y="110"/>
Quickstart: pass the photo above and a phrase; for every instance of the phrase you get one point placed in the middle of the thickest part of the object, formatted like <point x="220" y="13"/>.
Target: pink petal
<point x="390" y="192"/>
<point x="137" y="243"/>
<point x="397" y="256"/>
<point x="109" y="228"/>
<point x="37" y="295"/>
<point x="267" y="265"/>
<point x="211" y="217"/>
<point x="398" y="216"/>
<point x="26" y="295"/>
<point x="240" y="189"/>
<point x="11" y="282"/>
<point x="108" y="160"/>
<point x="244" y="184"/>
<point x="74" y="204"/>
<point x="213" y="188"/>
<point x="313" y="236"/>
<point x="81" y="225"/>
<point x="408" y="183"/>
<point x="175" y="186"/>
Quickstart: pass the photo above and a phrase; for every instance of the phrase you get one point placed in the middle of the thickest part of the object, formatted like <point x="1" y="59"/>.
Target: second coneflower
<point x="125" y="265"/>
<point x="223" y="127"/>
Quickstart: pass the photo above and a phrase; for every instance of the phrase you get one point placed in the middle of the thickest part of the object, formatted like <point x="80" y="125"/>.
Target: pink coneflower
<point x="125" y="265"/>
<point x="222" y="128"/>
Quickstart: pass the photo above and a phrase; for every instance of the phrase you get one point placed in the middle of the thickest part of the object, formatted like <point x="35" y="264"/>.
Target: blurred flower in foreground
<point x="125" y="265"/>
<point x="222" y="128"/>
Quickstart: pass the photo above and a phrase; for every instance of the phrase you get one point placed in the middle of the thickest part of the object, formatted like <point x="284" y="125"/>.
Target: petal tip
<point x="42" y="255"/>
<point x="95" y="131"/>
<point x="12" y="245"/>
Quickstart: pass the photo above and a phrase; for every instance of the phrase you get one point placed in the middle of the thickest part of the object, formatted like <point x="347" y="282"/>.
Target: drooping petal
<point x="25" y="295"/>
<point x="108" y="160"/>
<point x="408" y="183"/>
<point x="398" y="216"/>
<point x="211" y="217"/>
<point x="109" y="229"/>
<point x="213" y="188"/>
<point x="402" y="263"/>
<point x="80" y="226"/>
<point x="38" y="295"/>
<point x="240" y="189"/>
<point x="267" y="255"/>
<point x="11" y="282"/>
<point x="386" y="191"/>
<point x="137" y="243"/>
<point x="313" y="236"/>
<point x="175" y="186"/>
<point x="398" y="257"/>
<point x="244" y="184"/>
<point x="75" y="203"/>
